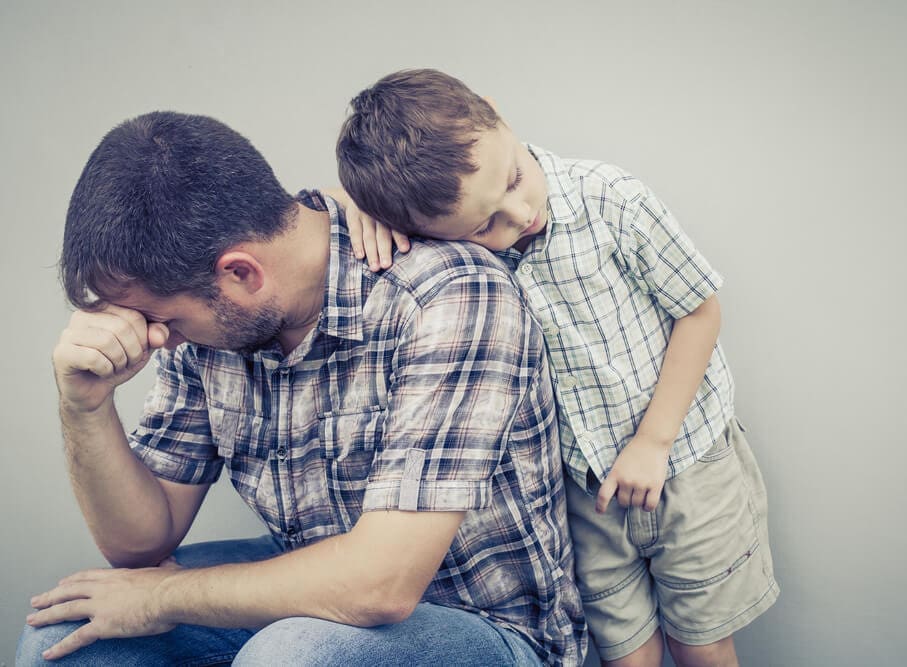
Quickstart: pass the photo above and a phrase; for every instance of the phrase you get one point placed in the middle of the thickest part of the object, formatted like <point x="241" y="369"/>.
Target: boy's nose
<point x="520" y="215"/>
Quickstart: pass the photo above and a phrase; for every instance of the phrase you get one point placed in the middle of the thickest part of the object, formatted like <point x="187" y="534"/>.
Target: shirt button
<point x="285" y="371"/>
<point x="526" y="269"/>
<point x="568" y="382"/>
<point x="291" y="531"/>
<point x="281" y="452"/>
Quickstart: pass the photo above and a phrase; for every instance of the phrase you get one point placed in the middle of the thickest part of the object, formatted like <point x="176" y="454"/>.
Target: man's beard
<point x="245" y="330"/>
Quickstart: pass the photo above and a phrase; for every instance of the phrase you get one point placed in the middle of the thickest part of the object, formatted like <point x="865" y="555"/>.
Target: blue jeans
<point x="432" y="635"/>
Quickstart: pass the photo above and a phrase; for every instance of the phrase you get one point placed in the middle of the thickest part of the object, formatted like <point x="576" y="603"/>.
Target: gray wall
<point x="775" y="132"/>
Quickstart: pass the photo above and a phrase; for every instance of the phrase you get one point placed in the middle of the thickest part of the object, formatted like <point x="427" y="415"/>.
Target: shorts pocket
<point x="720" y="450"/>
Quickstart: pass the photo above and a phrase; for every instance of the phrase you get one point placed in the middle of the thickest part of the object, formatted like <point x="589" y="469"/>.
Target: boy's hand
<point x="638" y="475"/>
<point x="372" y="239"/>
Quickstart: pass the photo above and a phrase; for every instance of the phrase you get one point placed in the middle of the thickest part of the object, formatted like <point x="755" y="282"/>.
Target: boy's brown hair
<point x="408" y="143"/>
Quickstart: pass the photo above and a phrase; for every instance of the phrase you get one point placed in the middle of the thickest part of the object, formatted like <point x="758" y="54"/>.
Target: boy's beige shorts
<point x="699" y="565"/>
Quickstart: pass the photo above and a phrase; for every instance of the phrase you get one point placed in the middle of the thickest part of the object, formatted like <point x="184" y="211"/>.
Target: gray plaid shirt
<point x="607" y="280"/>
<point x="421" y="388"/>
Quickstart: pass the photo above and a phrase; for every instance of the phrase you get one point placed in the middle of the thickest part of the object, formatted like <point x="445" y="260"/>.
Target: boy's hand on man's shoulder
<point x="371" y="239"/>
<point x="637" y="477"/>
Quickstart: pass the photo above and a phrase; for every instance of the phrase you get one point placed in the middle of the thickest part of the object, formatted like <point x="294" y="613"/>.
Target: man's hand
<point x="638" y="475"/>
<point x="119" y="603"/>
<point x="101" y="350"/>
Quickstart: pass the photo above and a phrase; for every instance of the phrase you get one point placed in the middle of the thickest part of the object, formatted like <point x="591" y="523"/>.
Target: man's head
<point x="424" y="154"/>
<point x="160" y="200"/>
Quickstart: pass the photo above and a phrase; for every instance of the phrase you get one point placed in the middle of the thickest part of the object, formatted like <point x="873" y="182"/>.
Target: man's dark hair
<point x="408" y="143"/>
<point x="160" y="199"/>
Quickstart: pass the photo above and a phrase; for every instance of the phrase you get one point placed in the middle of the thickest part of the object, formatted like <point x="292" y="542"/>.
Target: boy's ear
<point x="238" y="271"/>
<point x="491" y="103"/>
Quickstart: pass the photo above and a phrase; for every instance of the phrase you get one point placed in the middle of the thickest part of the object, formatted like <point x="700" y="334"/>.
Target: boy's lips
<point x="535" y="226"/>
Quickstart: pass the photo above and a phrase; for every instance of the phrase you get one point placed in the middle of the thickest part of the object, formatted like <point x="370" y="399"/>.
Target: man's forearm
<point x="373" y="575"/>
<point x="123" y="504"/>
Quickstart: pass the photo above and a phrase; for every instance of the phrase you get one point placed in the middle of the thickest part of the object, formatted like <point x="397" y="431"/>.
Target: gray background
<point x="775" y="132"/>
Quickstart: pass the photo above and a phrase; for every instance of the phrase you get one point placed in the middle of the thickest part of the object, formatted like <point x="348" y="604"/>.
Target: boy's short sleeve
<point x="662" y="258"/>
<point x="173" y="438"/>
<point x="462" y="367"/>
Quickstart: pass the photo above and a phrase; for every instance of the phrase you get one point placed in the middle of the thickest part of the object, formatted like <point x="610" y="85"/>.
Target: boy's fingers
<point x="384" y="240"/>
<point x="402" y="241"/>
<point x="370" y="243"/>
<point x="652" y="498"/>
<point x="625" y="495"/>
<point x="605" y="493"/>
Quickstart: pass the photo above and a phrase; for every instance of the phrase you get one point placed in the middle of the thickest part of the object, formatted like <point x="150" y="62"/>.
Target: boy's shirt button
<point x="568" y="382"/>
<point x="526" y="269"/>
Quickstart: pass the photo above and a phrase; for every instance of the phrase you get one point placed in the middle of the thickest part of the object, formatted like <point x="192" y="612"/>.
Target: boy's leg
<point x="182" y="645"/>
<point x="432" y="635"/>
<point x="716" y="654"/>
<point x="617" y="591"/>
<point x="712" y="564"/>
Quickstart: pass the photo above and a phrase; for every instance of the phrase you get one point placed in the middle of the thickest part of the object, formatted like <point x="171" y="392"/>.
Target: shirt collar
<point x="565" y="202"/>
<point x="341" y="315"/>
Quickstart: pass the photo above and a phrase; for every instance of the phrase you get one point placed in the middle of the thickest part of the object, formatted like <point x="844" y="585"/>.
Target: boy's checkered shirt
<point x="607" y="280"/>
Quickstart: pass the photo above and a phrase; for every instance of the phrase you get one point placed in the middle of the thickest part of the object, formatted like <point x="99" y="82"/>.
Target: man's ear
<point x="492" y="104"/>
<point x="238" y="271"/>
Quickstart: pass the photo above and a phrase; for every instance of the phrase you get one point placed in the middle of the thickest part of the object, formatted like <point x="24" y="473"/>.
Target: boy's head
<point x="427" y="156"/>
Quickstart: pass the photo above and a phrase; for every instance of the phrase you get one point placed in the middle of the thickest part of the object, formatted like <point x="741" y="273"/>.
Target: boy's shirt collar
<point x="565" y="202"/>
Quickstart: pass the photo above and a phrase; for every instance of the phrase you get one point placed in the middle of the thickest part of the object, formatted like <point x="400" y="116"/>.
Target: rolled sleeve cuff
<point x="176" y="468"/>
<point x="427" y="496"/>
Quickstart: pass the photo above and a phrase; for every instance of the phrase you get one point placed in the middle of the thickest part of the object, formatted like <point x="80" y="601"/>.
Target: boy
<point x="631" y="318"/>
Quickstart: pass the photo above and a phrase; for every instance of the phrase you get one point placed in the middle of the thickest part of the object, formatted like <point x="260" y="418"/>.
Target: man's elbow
<point x="128" y="558"/>
<point x="386" y="611"/>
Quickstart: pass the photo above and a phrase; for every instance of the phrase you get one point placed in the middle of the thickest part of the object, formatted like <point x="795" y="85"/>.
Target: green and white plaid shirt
<point x="607" y="280"/>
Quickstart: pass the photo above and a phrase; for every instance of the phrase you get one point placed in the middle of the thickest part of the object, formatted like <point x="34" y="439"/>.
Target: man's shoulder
<point x="431" y="264"/>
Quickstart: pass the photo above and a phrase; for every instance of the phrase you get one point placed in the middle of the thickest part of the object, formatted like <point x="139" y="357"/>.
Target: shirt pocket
<point x="349" y="439"/>
<point x="239" y="433"/>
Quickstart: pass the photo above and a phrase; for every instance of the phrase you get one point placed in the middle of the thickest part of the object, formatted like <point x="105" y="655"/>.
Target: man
<point x="395" y="432"/>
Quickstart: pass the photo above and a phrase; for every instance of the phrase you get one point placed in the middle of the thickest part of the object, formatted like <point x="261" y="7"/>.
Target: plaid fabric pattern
<point x="611" y="274"/>
<point x="421" y="388"/>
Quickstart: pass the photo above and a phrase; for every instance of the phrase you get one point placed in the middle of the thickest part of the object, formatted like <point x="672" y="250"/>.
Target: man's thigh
<point x="432" y="635"/>
<point x="184" y="645"/>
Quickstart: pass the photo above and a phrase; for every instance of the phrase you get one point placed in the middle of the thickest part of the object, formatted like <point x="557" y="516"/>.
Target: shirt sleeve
<point x="463" y="364"/>
<point x="173" y="438"/>
<point x="662" y="258"/>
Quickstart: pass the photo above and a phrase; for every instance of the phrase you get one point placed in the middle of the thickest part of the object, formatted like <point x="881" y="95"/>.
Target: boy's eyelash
<point x="486" y="229"/>
<point x="516" y="182"/>
<point x="510" y="188"/>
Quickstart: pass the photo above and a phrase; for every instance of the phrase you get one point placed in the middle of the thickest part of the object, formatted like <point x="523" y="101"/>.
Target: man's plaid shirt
<point x="607" y="280"/>
<point x="423" y="388"/>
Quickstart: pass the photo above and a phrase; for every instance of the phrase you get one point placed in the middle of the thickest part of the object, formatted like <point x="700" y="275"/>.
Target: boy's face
<point x="503" y="203"/>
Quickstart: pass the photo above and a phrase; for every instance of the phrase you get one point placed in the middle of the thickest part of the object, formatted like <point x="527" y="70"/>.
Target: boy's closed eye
<point x="486" y="229"/>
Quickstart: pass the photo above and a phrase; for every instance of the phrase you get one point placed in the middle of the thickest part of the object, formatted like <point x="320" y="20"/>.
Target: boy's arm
<point x="370" y="239"/>
<point x="375" y="574"/>
<point x="638" y="474"/>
